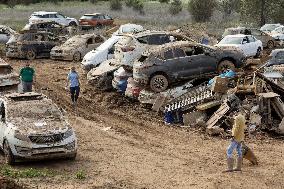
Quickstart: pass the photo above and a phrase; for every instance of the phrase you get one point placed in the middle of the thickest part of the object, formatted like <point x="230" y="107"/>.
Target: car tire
<point x="31" y="55"/>
<point x="9" y="157"/>
<point x="224" y="65"/>
<point x="258" y="53"/>
<point x="270" y="44"/>
<point x="159" y="83"/>
<point x="72" y="157"/>
<point x="77" y="56"/>
<point x="73" y="24"/>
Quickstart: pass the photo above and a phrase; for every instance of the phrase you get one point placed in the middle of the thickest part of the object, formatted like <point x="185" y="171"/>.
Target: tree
<point x="164" y="1"/>
<point x="228" y="6"/>
<point x="115" y="5"/>
<point x="262" y="11"/>
<point x="176" y="7"/>
<point x="201" y="10"/>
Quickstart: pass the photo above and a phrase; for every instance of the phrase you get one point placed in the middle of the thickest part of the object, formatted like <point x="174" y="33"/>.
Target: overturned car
<point x="160" y="67"/>
<point x="76" y="47"/>
<point x="33" y="127"/>
<point x="31" y="45"/>
<point x="8" y="78"/>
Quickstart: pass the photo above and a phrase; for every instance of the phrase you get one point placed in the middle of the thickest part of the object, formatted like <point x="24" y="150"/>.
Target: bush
<point x="201" y="10"/>
<point x="115" y="5"/>
<point x="129" y="3"/>
<point x="164" y="1"/>
<point x="176" y="7"/>
<point x="136" y="5"/>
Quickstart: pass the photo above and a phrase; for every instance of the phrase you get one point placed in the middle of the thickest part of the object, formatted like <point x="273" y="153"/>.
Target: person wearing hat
<point x="27" y="76"/>
<point x="238" y="135"/>
<point x="73" y="78"/>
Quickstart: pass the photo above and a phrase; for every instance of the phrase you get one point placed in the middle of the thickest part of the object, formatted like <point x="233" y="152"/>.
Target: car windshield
<point x="87" y="17"/>
<point x="34" y="109"/>
<point x="269" y="27"/>
<point x="72" y="41"/>
<point x="231" y="40"/>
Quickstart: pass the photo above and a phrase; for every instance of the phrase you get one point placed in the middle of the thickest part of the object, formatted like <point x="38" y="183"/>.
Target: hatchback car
<point x="31" y="45"/>
<point x="248" y="44"/>
<point x="32" y="127"/>
<point x="44" y="16"/>
<point x="95" y="20"/>
<point x="159" y="67"/>
<point x="8" y="77"/>
<point x="76" y="47"/>
<point x="276" y="57"/>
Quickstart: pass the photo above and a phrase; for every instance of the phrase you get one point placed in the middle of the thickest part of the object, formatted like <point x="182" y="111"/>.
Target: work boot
<point x="230" y="163"/>
<point x="239" y="164"/>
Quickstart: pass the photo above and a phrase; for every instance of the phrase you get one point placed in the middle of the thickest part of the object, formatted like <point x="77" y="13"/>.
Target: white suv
<point x="43" y="16"/>
<point x="33" y="127"/>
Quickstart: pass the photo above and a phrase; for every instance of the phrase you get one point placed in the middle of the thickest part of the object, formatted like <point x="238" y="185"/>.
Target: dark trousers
<point x="27" y="86"/>
<point x="74" y="91"/>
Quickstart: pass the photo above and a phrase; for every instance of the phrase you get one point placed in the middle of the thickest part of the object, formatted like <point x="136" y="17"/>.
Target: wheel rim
<point x="270" y="44"/>
<point x="31" y="55"/>
<point x="159" y="83"/>
<point x="77" y="56"/>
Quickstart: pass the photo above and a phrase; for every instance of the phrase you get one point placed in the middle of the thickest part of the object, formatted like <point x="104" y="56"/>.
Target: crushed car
<point x="276" y="57"/>
<point x="159" y="67"/>
<point x="248" y="44"/>
<point x="31" y="45"/>
<point x="267" y="40"/>
<point x="269" y="27"/>
<point x="76" y="47"/>
<point x="51" y="27"/>
<point x="8" y="77"/>
<point x="6" y="33"/>
<point x="32" y="127"/>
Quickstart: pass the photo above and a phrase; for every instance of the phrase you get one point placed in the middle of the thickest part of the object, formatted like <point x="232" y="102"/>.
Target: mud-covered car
<point x="276" y="57"/>
<point x="159" y="67"/>
<point x="31" y="45"/>
<point x="8" y="77"/>
<point x="76" y="47"/>
<point x="32" y="127"/>
<point x="51" y="27"/>
<point x="6" y="33"/>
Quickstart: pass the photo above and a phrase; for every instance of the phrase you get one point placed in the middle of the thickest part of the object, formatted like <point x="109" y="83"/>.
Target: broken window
<point x="198" y="50"/>
<point x="168" y="54"/>
<point x="251" y="39"/>
<point x="99" y="39"/>
<point x="90" y="41"/>
<point x="178" y="52"/>
<point x="189" y="51"/>
<point x="280" y="56"/>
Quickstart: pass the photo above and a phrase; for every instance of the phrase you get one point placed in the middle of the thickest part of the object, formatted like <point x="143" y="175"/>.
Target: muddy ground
<point x="122" y="145"/>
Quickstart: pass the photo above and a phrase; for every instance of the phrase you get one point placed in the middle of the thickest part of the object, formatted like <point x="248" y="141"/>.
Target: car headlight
<point x="21" y="136"/>
<point x="68" y="133"/>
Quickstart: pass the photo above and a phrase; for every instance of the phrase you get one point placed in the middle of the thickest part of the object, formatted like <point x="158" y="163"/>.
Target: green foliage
<point x="25" y="173"/>
<point x="228" y="6"/>
<point x="262" y="11"/>
<point x="80" y="175"/>
<point x="201" y="10"/>
<point x="136" y="5"/>
<point x="115" y="5"/>
<point x="175" y="7"/>
<point x="164" y="1"/>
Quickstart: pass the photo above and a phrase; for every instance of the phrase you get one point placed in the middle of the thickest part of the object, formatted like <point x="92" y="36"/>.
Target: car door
<point x="2" y="121"/>
<point x="279" y="58"/>
<point x="245" y="46"/>
<point x="252" y="45"/>
<point x="60" y="19"/>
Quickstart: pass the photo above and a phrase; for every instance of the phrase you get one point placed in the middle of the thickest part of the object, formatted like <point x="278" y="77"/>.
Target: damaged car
<point x="8" y="77"/>
<point x="276" y="57"/>
<point x="32" y="127"/>
<point x="31" y="45"/>
<point x="76" y="47"/>
<point x="6" y="33"/>
<point x="159" y="67"/>
<point x="51" y="27"/>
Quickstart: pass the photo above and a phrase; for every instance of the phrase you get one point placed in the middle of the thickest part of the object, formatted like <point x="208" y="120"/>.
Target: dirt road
<point x="122" y="145"/>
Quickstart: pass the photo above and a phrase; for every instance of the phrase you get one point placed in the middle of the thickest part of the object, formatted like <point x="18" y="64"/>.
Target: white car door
<point x="254" y="44"/>
<point x="60" y="19"/>
<point x="245" y="46"/>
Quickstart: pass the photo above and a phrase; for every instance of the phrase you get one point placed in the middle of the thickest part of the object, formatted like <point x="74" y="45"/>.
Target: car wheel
<point x="73" y="24"/>
<point x="159" y="83"/>
<point x="31" y="55"/>
<point x="270" y="44"/>
<point x="225" y="65"/>
<point x="72" y="157"/>
<point x="258" y="53"/>
<point x="9" y="157"/>
<point x="77" y="56"/>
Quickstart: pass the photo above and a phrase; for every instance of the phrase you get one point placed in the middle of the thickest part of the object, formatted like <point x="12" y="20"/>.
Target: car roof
<point x="44" y="12"/>
<point x="92" y="14"/>
<point x="238" y="35"/>
<point x="14" y="97"/>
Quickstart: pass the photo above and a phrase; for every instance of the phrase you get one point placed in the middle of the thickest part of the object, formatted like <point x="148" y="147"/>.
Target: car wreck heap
<point x="212" y="106"/>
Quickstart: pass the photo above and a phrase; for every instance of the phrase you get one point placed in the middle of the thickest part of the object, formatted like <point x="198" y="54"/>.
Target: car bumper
<point x="60" y="56"/>
<point x="10" y="54"/>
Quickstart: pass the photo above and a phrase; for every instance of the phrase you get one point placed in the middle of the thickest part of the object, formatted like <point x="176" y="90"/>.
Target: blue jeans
<point x="74" y="93"/>
<point x="234" y="145"/>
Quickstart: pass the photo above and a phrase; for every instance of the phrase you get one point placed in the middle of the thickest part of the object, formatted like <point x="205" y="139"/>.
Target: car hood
<point x="103" y="68"/>
<point x="95" y="57"/>
<point x="33" y="126"/>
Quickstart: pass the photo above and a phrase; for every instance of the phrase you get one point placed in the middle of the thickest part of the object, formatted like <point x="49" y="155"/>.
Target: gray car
<point x="276" y="57"/>
<point x="158" y="68"/>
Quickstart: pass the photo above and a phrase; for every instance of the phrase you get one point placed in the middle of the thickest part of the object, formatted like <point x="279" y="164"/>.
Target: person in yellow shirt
<point x="238" y="135"/>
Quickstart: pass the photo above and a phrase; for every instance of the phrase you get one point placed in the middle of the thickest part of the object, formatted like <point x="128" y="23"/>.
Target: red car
<point x="95" y="20"/>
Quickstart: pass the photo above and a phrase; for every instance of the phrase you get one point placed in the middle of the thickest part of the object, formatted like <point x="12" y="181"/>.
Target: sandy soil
<point x="122" y="145"/>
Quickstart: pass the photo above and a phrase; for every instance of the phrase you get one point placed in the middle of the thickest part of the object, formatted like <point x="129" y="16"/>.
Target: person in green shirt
<point x="27" y="75"/>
